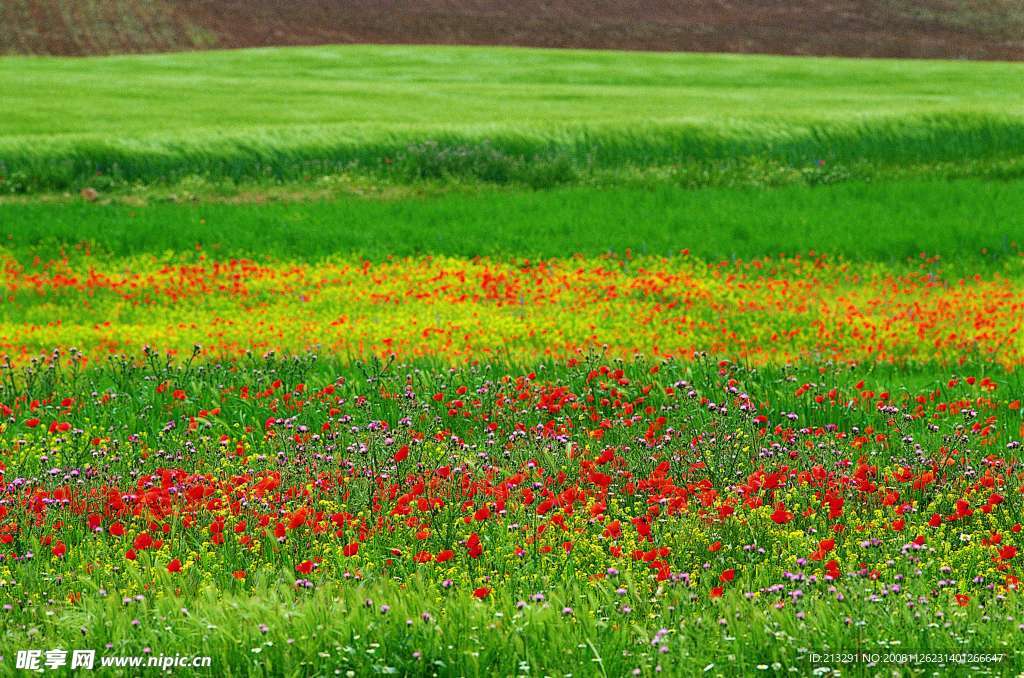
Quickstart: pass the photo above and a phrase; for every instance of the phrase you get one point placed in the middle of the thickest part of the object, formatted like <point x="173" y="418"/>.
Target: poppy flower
<point x="473" y="546"/>
<point x="781" y="516"/>
<point x="174" y="566"/>
<point x="481" y="592"/>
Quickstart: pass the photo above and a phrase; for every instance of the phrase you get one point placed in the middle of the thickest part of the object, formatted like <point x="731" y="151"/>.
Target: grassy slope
<point x="886" y="221"/>
<point x="385" y="87"/>
<point x="495" y="114"/>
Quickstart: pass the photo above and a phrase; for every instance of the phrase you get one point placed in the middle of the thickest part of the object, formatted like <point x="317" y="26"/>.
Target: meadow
<point x="474" y="362"/>
<point x="973" y="223"/>
<point x="526" y="117"/>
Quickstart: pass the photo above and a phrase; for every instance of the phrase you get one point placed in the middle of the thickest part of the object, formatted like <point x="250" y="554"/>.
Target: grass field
<point x="529" y="117"/>
<point x="967" y="223"/>
<point x="470" y="362"/>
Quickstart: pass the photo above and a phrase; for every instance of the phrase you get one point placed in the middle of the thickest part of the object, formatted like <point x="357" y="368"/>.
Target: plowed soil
<point x="971" y="29"/>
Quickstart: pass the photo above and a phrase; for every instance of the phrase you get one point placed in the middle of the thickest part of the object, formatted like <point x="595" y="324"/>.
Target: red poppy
<point x="473" y="546"/>
<point x="174" y="566"/>
<point x="781" y="516"/>
<point x="481" y="592"/>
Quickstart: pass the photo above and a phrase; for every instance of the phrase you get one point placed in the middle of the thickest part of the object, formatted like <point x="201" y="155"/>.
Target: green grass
<point x="306" y="636"/>
<point x="376" y="622"/>
<point x="521" y="116"/>
<point x="861" y="221"/>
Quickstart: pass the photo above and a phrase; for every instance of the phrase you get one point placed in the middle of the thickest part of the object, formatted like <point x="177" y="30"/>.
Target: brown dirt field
<point x="971" y="29"/>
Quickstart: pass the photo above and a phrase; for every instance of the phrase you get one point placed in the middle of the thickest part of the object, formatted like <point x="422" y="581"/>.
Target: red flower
<point x="444" y="555"/>
<point x="473" y="546"/>
<point x="305" y="567"/>
<point x="238" y="574"/>
<point x="1007" y="552"/>
<point x="402" y="453"/>
<point x="716" y="592"/>
<point x="727" y="575"/>
<point x="351" y="549"/>
<point x="781" y="515"/>
<point x="32" y="423"/>
<point x="481" y="592"/>
<point x="60" y="549"/>
<point x="962" y="599"/>
<point x="174" y="566"/>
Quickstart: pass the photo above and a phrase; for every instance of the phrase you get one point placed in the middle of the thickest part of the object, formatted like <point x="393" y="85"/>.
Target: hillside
<point x="974" y="29"/>
<point x="539" y="117"/>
